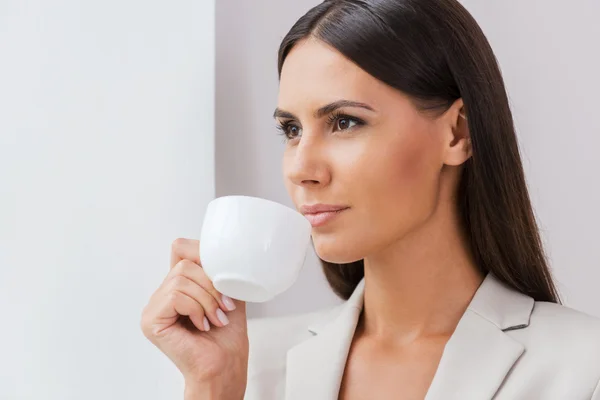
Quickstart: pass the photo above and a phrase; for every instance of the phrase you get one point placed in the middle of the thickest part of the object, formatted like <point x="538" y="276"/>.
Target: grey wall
<point x="548" y="54"/>
<point x="248" y="150"/>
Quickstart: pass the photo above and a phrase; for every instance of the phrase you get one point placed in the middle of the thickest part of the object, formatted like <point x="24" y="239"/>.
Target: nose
<point x="306" y="163"/>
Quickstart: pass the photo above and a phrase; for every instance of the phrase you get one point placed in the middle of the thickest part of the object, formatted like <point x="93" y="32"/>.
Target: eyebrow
<point x="326" y="109"/>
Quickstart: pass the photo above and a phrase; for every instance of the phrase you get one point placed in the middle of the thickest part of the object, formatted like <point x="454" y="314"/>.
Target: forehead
<point x="314" y="74"/>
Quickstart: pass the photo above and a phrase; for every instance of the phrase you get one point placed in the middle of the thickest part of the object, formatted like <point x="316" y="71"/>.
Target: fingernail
<point x="222" y="317"/>
<point x="206" y="324"/>
<point x="228" y="303"/>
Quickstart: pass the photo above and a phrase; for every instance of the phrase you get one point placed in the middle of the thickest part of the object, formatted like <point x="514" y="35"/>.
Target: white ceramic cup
<point x="251" y="248"/>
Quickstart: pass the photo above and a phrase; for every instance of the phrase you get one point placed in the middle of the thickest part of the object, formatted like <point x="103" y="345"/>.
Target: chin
<point x="336" y="251"/>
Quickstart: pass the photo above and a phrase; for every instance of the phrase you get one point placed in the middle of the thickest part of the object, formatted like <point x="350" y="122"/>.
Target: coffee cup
<point x="252" y="248"/>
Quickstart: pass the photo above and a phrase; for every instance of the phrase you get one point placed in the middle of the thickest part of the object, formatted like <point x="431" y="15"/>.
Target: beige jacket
<point x="506" y="347"/>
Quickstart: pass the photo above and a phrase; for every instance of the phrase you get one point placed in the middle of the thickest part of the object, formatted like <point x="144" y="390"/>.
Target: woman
<point x="401" y="151"/>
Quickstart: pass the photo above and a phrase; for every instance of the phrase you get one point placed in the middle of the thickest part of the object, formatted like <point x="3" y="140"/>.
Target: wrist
<point x="212" y="391"/>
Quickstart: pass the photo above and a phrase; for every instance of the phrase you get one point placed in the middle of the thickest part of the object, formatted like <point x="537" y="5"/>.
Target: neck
<point x="421" y="285"/>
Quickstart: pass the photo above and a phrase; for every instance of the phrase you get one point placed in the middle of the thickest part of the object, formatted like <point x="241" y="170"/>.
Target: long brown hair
<point x="435" y="52"/>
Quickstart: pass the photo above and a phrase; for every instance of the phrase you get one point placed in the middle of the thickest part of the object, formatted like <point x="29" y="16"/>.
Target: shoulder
<point x="287" y="330"/>
<point x="561" y="322"/>
<point x="270" y="338"/>
<point x="544" y="309"/>
<point x="561" y="338"/>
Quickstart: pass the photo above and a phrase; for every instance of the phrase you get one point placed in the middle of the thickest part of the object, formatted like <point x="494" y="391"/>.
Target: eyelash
<point x="335" y="117"/>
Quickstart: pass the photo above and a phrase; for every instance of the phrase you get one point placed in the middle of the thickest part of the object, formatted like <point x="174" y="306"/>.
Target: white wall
<point x="106" y="156"/>
<point x="547" y="50"/>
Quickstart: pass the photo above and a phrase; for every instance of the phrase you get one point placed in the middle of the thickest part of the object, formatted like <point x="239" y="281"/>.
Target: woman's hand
<point x="203" y="332"/>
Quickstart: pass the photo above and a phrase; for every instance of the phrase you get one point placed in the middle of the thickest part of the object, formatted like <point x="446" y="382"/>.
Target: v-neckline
<point x="474" y="363"/>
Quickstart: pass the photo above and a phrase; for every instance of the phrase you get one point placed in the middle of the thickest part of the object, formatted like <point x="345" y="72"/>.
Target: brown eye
<point x="345" y="123"/>
<point x="289" y="130"/>
<point x="293" y="131"/>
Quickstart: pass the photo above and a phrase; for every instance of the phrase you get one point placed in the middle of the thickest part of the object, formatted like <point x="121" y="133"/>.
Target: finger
<point x="188" y="249"/>
<point x="208" y="303"/>
<point x="238" y="318"/>
<point x="197" y="274"/>
<point x="185" y="305"/>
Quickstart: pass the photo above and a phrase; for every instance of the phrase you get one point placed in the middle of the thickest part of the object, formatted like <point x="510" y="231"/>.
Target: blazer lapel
<point x="315" y="367"/>
<point x="480" y="354"/>
<point x="473" y="366"/>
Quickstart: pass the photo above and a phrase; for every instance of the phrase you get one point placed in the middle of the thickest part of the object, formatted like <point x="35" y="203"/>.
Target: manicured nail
<point x="228" y="303"/>
<point x="222" y="317"/>
<point x="206" y="324"/>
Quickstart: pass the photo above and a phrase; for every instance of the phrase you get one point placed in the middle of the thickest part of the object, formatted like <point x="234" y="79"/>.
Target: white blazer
<point x="506" y="347"/>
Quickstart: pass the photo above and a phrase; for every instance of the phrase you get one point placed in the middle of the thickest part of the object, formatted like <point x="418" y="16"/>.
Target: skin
<point x="398" y="173"/>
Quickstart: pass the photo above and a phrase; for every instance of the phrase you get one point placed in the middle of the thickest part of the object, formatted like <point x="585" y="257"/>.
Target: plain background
<point x="548" y="53"/>
<point x="106" y="155"/>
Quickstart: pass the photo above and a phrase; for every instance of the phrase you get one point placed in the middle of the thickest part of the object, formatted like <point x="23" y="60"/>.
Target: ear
<point x="458" y="138"/>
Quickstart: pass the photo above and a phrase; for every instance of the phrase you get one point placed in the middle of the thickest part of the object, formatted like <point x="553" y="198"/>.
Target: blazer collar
<point x="474" y="363"/>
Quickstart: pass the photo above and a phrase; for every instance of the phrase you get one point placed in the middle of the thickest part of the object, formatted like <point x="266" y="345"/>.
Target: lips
<point x="319" y="208"/>
<point x="321" y="214"/>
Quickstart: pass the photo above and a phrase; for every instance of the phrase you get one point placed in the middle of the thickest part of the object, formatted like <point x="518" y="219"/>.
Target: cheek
<point x="405" y="186"/>
<point x="409" y="174"/>
<point x="407" y="165"/>
<point x="393" y="188"/>
<point x="403" y="168"/>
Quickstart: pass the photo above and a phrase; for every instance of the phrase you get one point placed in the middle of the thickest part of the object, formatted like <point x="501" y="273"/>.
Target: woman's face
<point x="380" y="158"/>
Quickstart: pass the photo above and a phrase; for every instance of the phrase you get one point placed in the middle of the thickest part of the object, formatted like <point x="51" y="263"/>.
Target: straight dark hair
<point x="435" y="52"/>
